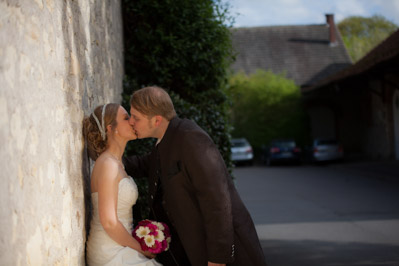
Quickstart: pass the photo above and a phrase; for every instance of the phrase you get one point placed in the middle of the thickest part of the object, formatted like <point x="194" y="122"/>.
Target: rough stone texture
<point x="58" y="60"/>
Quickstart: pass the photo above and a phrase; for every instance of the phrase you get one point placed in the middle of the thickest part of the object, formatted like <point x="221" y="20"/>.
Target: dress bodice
<point x="101" y="248"/>
<point x="127" y="197"/>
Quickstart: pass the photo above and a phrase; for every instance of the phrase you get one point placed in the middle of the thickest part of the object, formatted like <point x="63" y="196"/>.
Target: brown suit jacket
<point x="198" y="197"/>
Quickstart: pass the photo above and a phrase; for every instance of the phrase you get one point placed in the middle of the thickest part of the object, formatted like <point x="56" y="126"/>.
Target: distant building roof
<point x="306" y="53"/>
<point x="385" y="52"/>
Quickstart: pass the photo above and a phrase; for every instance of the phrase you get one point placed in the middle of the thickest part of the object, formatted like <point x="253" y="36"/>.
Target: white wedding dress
<point x="101" y="249"/>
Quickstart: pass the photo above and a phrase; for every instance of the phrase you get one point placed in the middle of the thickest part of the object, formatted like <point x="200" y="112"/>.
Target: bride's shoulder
<point x="106" y="164"/>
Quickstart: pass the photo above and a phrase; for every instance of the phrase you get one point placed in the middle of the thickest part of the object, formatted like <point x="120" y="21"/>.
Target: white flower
<point x="168" y="240"/>
<point x="159" y="225"/>
<point x="160" y="236"/>
<point x="149" y="240"/>
<point x="142" y="231"/>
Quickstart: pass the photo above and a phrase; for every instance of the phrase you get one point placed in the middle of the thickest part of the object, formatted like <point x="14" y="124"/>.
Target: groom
<point x="190" y="188"/>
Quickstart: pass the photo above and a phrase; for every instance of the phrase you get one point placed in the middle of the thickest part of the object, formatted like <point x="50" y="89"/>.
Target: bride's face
<point x="123" y="128"/>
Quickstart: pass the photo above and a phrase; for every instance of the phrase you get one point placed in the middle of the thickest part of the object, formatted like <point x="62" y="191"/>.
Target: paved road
<point x="324" y="215"/>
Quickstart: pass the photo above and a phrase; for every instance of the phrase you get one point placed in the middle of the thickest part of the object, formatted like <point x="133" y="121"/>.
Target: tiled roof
<point x="385" y="51"/>
<point x="303" y="52"/>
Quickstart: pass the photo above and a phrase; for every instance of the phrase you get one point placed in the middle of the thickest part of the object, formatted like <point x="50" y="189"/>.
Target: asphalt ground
<point x="328" y="214"/>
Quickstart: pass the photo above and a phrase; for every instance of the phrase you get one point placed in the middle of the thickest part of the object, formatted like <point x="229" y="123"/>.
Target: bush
<point x="180" y="45"/>
<point x="184" y="47"/>
<point x="266" y="106"/>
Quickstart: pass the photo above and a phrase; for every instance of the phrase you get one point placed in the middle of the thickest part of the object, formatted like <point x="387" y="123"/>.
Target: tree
<point x="266" y="106"/>
<point x="361" y="34"/>
<point x="183" y="46"/>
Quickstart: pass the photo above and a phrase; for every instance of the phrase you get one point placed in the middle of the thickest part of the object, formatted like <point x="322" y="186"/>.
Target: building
<point x="305" y="53"/>
<point x="360" y="104"/>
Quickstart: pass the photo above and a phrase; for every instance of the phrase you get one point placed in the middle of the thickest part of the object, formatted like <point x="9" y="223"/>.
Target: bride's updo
<point x="95" y="132"/>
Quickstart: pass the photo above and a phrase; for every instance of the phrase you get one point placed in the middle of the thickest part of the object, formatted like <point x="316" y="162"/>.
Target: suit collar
<point x="169" y="134"/>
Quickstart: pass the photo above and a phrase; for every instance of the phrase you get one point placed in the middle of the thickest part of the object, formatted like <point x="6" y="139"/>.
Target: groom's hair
<point x="152" y="101"/>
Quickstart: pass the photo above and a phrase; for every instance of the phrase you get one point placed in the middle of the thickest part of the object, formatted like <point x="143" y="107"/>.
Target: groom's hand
<point x="215" y="264"/>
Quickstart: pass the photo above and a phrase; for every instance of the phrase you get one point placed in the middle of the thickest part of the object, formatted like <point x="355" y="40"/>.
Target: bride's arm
<point x="108" y="183"/>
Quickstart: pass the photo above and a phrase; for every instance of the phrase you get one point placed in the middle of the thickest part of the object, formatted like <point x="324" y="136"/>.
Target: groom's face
<point x="141" y="124"/>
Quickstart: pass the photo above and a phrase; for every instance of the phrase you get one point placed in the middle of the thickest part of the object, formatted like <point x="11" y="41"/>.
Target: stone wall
<point x="58" y="60"/>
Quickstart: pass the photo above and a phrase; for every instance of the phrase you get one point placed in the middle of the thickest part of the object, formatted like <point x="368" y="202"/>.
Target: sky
<point x="251" y="13"/>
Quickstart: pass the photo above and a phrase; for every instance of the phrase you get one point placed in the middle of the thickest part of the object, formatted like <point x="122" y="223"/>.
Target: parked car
<point x="326" y="150"/>
<point x="241" y="151"/>
<point x="281" y="150"/>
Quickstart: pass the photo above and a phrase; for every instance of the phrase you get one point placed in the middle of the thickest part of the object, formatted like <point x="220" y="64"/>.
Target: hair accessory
<point x="101" y="127"/>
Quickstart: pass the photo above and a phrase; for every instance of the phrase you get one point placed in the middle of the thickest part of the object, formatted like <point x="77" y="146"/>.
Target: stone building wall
<point x="58" y="60"/>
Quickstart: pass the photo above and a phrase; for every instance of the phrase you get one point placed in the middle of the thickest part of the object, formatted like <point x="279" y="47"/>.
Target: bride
<point x="110" y="241"/>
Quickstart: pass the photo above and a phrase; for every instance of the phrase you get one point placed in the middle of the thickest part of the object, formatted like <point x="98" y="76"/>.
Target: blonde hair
<point x="96" y="144"/>
<point x="152" y="101"/>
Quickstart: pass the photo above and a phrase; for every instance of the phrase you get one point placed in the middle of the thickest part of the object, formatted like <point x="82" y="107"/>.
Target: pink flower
<point x="165" y="245"/>
<point x="152" y="227"/>
<point x="152" y="236"/>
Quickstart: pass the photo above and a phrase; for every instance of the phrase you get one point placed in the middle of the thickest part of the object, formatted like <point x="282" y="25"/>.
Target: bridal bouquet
<point x="152" y="236"/>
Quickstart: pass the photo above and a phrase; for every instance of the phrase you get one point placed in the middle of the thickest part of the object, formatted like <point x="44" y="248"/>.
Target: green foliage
<point x="211" y="115"/>
<point x="361" y="34"/>
<point x="181" y="45"/>
<point x="266" y="106"/>
<point x="184" y="47"/>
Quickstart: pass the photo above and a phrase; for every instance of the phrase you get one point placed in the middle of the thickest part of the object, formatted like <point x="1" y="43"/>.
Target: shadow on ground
<point x="319" y="253"/>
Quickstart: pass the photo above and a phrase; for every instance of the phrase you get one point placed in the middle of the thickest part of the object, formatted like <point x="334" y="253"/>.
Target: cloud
<point x="292" y="12"/>
<point x="347" y="8"/>
<point x="389" y="9"/>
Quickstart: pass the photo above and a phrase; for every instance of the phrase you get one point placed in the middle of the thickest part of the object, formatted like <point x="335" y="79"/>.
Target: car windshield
<point x="284" y="144"/>
<point x="239" y="143"/>
<point x="326" y="142"/>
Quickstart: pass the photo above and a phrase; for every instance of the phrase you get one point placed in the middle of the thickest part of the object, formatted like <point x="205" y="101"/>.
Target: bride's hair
<point x="91" y="131"/>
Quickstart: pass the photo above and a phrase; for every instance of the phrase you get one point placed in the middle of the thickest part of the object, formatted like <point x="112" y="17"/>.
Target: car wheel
<point x="268" y="162"/>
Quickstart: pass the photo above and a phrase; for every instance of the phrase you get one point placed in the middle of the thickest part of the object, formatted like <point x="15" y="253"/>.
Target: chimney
<point x="331" y="26"/>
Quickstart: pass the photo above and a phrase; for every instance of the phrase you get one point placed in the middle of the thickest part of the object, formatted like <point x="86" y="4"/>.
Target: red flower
<point x="152" y="230"/>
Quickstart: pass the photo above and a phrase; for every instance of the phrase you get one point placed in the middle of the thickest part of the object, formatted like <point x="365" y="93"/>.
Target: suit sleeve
<point x="209" y="177"/>
<point x="137" y="166"/>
